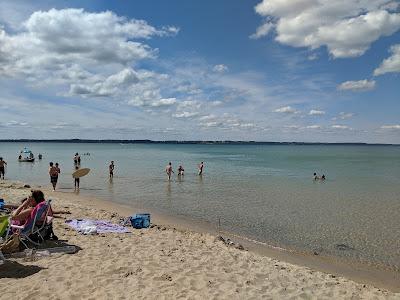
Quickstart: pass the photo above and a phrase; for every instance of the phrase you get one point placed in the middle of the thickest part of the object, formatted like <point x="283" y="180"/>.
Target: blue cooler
<point x="139" y="221"/>
<point x="1" y="203"/>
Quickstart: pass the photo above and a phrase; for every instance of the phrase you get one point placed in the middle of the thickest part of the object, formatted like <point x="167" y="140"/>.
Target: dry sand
<point x="159" y="263"/>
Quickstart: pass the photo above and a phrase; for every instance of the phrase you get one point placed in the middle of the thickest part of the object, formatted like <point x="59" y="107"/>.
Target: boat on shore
<point x="26" y="155"/>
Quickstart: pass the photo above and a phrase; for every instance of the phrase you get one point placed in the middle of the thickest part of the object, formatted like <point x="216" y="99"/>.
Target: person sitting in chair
<point x="24" y="211"/>
<point x="27" y="210"/>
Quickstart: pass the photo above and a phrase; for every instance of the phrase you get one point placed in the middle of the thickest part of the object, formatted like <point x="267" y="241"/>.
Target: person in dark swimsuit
<point x="53" y="172"/>
<point x="76" y="181"/>
<point x="111" y="169"/>
<point x="2" y="167"/>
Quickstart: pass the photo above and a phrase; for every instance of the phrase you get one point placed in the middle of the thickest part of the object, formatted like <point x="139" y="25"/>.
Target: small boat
<point x="26" y="155"/>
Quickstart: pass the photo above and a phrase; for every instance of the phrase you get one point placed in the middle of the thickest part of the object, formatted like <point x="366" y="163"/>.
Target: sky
<point x="262" y="70"/>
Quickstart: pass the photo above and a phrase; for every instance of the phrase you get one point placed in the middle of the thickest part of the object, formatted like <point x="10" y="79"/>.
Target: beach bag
<point x="11" y="245"/>
<point x="140" y="221"/>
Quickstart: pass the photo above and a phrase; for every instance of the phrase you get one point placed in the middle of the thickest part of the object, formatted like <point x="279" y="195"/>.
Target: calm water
<point x="264" y="192"/>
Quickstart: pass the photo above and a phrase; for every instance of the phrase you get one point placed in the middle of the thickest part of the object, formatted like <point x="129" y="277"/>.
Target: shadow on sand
<point x="13" y="269"/>
<point x="17" y="269"/>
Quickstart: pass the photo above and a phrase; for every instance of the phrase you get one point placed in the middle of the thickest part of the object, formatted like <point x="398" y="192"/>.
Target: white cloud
<point x="216" y="103"/>
<point x="262" y="30"/>
<point x="163" y="102"/>
<point x="292" y="127"/>
<point x="397" y="126"/>
<point x="220" y="68"/>
<point x="226" y="122"/>
<point x="14" y="123"/>
<point x="286" y="110"/>
<point x="108" y="86"/>
<point x="314" y="127"/>
<point x="390" y="64"/>
<point x="346" y="28"/>
<point x="185" y="115"/>
<point x="343" y="116"/>
<point x="88" y="53"/>
<point x="189" y="104"/>
<point x="314" y="112"/>
<point x="358" y="86"/>
<point x="340" y="127"/>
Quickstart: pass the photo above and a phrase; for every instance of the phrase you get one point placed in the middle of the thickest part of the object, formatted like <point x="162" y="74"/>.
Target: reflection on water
<point x="169" y="190"/>
<point x="264" y="192"/>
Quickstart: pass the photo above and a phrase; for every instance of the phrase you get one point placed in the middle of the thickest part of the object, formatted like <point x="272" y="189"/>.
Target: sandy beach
<point x="162" y="262"/>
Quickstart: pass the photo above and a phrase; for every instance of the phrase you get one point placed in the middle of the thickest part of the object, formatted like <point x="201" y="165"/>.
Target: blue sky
<point x="266" y="70"/>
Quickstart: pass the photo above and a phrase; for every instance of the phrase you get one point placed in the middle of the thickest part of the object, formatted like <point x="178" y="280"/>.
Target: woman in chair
<point x="24" y="211"/>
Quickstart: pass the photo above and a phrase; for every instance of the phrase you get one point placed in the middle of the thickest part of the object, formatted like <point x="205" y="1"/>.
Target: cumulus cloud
<point x="220" y="68"/>
<point x="314" y="112"/>
<point x="397" y="126"/>
<point x="108" y="86"/>
<point x="286" y="110"/>
<point x="91" y="54"/>
<point x="390" y="64"/>
<point x="358" y="86"/>
<point x="346" y="28"/>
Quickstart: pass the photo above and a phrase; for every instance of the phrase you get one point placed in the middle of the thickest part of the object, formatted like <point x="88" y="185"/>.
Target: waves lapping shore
<point x="159" y="262"/>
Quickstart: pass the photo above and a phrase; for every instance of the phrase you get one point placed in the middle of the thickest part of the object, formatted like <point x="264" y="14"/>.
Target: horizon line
<point x="148" y="141"/>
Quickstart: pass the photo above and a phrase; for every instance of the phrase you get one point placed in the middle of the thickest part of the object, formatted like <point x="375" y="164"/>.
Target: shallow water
<point x="264" y="192"/>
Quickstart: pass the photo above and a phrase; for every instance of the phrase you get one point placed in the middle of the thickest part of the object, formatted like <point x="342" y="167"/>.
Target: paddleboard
<point x="81" y="172"/>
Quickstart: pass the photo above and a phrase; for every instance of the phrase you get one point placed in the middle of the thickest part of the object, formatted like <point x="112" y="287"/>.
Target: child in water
<point x="180" y="171"/>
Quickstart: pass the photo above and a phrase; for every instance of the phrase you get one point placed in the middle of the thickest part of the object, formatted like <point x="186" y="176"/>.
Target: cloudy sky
<point x="266" y="70"/>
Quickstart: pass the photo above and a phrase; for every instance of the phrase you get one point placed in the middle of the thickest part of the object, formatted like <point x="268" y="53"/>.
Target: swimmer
<point x="201" y="166"/>
<point x="169" y="170"/>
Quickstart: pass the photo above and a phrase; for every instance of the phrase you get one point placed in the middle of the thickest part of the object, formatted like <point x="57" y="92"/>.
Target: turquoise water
<point x="264" y="192"/>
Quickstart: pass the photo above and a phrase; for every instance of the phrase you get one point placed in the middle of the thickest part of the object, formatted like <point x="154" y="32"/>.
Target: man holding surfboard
<point x="78" y="174"/>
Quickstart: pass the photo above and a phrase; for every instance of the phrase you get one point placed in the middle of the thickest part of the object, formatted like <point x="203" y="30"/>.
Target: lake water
<point x="265" y="192"/>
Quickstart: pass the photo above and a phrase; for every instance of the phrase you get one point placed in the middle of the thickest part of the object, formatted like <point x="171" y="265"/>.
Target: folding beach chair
<point x="36" y="225"/>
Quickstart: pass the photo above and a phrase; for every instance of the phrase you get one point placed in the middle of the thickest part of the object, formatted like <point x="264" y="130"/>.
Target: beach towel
<point x="88" y="226"/>
<point x="3" y="224"/>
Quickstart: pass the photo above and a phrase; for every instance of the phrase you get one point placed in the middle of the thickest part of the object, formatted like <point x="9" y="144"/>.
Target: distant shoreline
<point x="109" y="141"/>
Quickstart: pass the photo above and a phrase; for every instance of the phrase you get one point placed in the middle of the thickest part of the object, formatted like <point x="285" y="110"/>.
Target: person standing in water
<point x="2" y="167"/>
<point x="111" y="169"/>
<point x="169" y="170"/>
<point x="58" y="168"/>
<point x="181" y="171"/>
<point x="76" y="179"/>
<point x="201" y="167"/>
<point x="77" y="159"/>
<point x="53" y="172"/>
